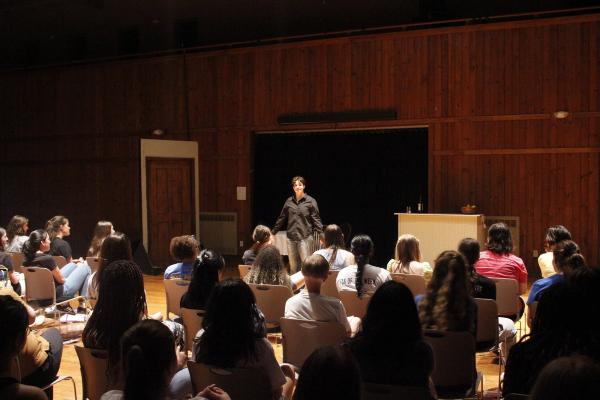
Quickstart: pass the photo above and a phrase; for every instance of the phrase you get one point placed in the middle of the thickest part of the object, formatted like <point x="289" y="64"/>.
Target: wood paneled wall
<point x="487" y="93"/>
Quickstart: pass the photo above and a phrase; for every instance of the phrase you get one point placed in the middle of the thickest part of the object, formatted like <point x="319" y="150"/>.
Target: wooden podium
<point x="439" y="232"/>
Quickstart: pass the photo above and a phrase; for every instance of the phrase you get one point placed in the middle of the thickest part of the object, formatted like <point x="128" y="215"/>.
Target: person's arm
<point x="281" y="220"/>
<point x="315" y="218"/>
<point x="297" y="280"/>
<point x="58" y="278"/>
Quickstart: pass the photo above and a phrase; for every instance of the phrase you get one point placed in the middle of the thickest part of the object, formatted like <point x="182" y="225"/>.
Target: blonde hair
<point x="407" y="250"/>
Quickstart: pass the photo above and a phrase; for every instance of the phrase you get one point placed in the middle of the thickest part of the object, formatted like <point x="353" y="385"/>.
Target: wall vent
<point x="218" y="231"/>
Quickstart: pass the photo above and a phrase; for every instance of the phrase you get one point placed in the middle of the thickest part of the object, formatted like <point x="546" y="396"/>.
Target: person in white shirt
<point x="554" y="235"/>
<point x="362" y="277"/>
<point x="309" y="304"/>
<point x="408" y="258"/>
<point x="333" y="248"/>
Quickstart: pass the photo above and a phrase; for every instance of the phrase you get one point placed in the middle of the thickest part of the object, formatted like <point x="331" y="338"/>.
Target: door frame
<point x="151" y="148"/>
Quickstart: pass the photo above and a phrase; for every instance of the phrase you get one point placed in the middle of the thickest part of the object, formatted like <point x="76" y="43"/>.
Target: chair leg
<point x="61" y="379"/>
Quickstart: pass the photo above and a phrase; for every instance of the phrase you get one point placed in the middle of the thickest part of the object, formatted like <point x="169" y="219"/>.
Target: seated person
<point x="102" y="230"/>
<point x="269" y="269"/>
<point x="333" y="248"/>
<point x="115" y="246"/>
<point x="205" y="276"/>
<point x="13" y="336"/>
<point x="573" y="377"/>
<point x="408" y="258"/>
<point x="6" y="261"/>
<point x="362" y="277"/>
<point x="481" y="287"/>
<point x="16" y="232"/>
<point x="309" y="304"/>
<point x="184" y="249"/>
<point x="261" y="236"/>
<point x="58" y="228"/>
<point x="554" y="235"/>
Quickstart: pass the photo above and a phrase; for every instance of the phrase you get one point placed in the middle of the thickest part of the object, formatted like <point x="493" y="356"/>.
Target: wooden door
<point x="170" y="191"/>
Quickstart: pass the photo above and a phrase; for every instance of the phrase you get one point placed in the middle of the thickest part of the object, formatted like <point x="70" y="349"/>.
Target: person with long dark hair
<point x="261" y="237"/>
<point x="205" y="276"/>
<point x="390" y="348"/>
<point x="362" y="277"/>
<point x="101" y="231"/>
<point x="69" y="280"/>
<point x="16" y="231"/>
<point x="554" y="235"/>
<point x="334" y="250"/>
<point x="115" y="246"/>
<point x="233" y="335"/>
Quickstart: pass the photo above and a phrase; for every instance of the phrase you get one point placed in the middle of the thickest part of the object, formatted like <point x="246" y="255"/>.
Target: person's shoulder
<point x="516" y="259"/>
<point x="350" y="269"/>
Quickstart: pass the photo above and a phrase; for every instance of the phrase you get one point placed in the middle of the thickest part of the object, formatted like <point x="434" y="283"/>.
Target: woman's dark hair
<point x="14" y="321"/>
<point x="183" y="247"/>
<point x="499" y="239"/>
<point x="567" y="256"/>
<point x="121" y="303"/>
<point x="15" y="227"/>
<point x="232" y="324"/>
<point x="53" y="225"/>
<point x="101" y="232"/>
<point x="330" y="372"/>
<point x="268" y="268"/>
<point x="362" y="248"/>
<point x="576" y="377"/>
<point x="260" y="237"/>
<point x="469" y="248"/>
<point x="205" y="276"/>
<point x="147" y="351"/>
<point x="2" y="233"/>
<point x="114" y="247"/>
<point x="556" y="234"/>
<point x="32" y="245"/>
<point x="333" y="237"/>
<point x="391" y="317"/>
<point x="445" y="304"/>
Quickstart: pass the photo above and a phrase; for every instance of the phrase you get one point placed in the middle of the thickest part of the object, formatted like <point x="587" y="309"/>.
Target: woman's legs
<point x="75" y="277"/>
<point x="181" y="385"/>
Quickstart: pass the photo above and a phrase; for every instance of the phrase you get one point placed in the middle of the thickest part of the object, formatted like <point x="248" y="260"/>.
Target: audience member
<point x="329" y="373"/>
<point x="101" y="232"/>
<point x="568" y="378"/>
<point x="333" y="248"/>
<point x="16" y="231"/>
<point x="233" y="335"/>
<point x="309" y="304"/>
<point x="261" y="237"/>
<point x="6" y="261"/>
<point x="408" y="258"/>
<point x="115" y="246"/>
<point x="390" y="348"/>
<point x="269" y="269"/>
<point x="205" y="276"/>
<point x="554" y="235"/>
<point x="183" y="249"/>
<point x="362" y="277"/>
<point x="481" y="286"/>
<point x="58" y="228"/>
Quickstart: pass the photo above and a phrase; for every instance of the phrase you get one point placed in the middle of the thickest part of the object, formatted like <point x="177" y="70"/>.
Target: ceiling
<point x="45" y="32"/>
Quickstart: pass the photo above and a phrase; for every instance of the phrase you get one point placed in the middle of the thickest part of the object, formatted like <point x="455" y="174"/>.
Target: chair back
<point x="17" y="261"/>
<point x="454" y="355"/>
<point x="416" y="283"/>
<point x="376" y="391"/>
<point x="60" y="261"/>
<point x="354" y="306"/>
<point x="192" y="322"/>
<point x="239" y="383"/>
<point x="507" y="296"/>
<point x="301" y="337"/>
<point x="94" y="378"/>
<point x="271" y="299"/>
<point x="228" y="272"/>
<point x="93" y="262"/>
<point x="487" y="323"/>
<point x="40" y="284"/>
<point x="244" y="269"/>
<point x="329" y="288"/>
<point x="532" y="310"/>
<point x="174" y="290"/>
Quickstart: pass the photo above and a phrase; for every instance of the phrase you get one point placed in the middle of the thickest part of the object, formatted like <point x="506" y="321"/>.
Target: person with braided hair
<point x="362" y="277"/>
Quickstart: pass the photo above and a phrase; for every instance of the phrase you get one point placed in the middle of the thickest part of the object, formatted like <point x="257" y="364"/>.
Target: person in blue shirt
<point x="184" y="249"/>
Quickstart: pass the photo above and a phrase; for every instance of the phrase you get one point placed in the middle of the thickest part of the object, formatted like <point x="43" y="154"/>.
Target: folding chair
<point x="416" y="283"/>
<point x="239" y="383"/>
<point x="15" y="369"/>
<point x="375" y="391"/>
<point x="301" y="337"/>
<point x="17" y="261"/>
<point x="455" y="375"/>
<point x="354" y="306"/>
<point x="271" y="299"/>
<point x="229" y="273"/>
<point x="487" y="329"/>
<point x="192" y="323"/>
<point x="329" y="288"/>
<point x="531" y="310"/>
<point x="508" y="300"/>
<point x="41" y="289"/>
<point x="93" y="262"/>
<point x="60" y="261"/>
<point x="175" y="289"/>
<point x="244" y="269"/>
<point x="94" y="378"/>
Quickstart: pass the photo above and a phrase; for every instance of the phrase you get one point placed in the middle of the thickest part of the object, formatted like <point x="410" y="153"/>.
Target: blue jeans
<point x="298" y="250"/>
<point x="75" y="278"/>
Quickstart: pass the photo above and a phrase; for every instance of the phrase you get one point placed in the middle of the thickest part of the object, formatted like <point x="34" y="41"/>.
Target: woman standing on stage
<point x="300" y="213"/>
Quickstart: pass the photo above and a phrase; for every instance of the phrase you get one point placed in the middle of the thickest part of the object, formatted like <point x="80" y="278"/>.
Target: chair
<point x="94" y="378"/>
<point x="17" y="261"/>
<point x="41" y="288"/>
<point x="375" y="391"/>
<point x="192" y="322"/>
<point x="487" y="324"/>
<point x="229" y="273"/>
<point x="239" y="383"/>
<point x="244" y="269"/>
<point x="15" y="371"/>
<point x="271" y="299"/>
<point x="455" y="375"/>
<point x="329" y="287"/>
<point x="301" y="337"/>
<point x="174" y="289"/>
<point x="507" y="297"/>
<point x="354" y="306"/>
<point x="416" y="283"/>
<point x="531" y="310"/>
<point x="60" y="261"/>
<point x="93" y="262"/>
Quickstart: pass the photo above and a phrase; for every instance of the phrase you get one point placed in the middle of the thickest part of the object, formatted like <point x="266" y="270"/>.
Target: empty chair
<point x="174" y="290"/>
<point x="271" y="299"/>
<point x="192" y="323"/>
<point x="239" y="383"/>
<point x="416" y="283"/>
<point x="244" y="269"/>
<point x="93" y="364"/>
<point x="329" y="288"/>
<point x="374" y="391"/>
<point x="353" y="304"/>
<point x="301" y="337"/>
<point x="454" y="375"/>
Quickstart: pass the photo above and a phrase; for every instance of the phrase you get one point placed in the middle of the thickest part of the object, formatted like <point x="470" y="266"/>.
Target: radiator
<point x="218" y="231"/>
